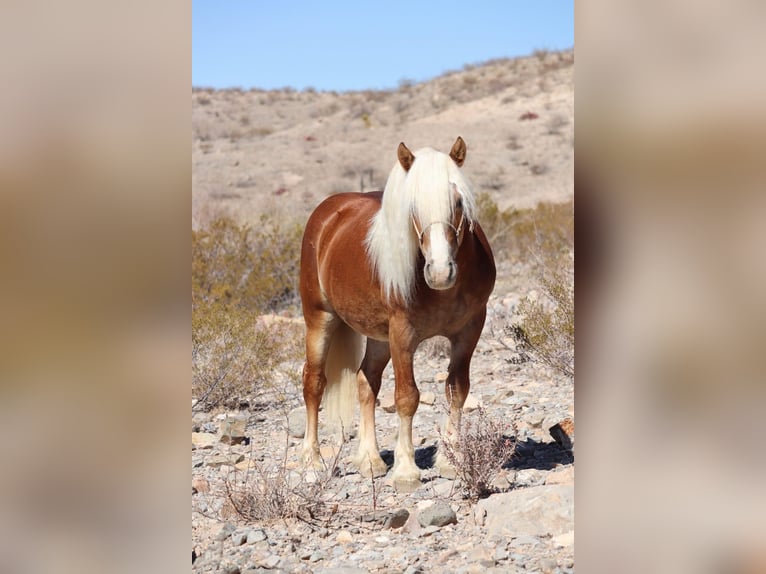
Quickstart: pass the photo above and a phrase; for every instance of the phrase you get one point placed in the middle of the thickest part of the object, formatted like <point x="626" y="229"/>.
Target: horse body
<point x="349" y="292"/>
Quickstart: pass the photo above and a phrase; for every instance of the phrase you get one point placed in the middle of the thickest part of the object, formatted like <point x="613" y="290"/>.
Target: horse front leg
<point x="407" y="397"/>
<point x="457" y="386"/>
<point x="368" y="459"/>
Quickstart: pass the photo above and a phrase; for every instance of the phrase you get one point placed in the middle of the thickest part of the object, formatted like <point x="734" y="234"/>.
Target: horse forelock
<point x="425" y="191"/>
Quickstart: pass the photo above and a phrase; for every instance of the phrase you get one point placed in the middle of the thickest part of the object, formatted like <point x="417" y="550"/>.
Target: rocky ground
<point x="525" y="525"/>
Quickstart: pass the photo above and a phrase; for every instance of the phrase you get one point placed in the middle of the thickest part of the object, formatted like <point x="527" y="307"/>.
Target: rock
<point x="203" y="440"/>
<point x="344" y="537"/>
<point x="245" y="464"/>
<point x="255" y="535"/>
<point x="563" y="476"/>
<point x="225" y="459"/>
<point x="428" y="397"/>
<point x="438" y="514"/>
<point x="239" y="538"/>
<point x="233" y="429"/>
<point x="296" y="422"/>
<point x="270" y="561"/>
<point x="230" y="569"/>
<point x="440" y="377"/>
<point x="226" y="530"/>
<point x="533" y="511"/>
<point x="397" y="518"/>
<point x="564" y="540"/>
<point x="563" y="433"/>
<point x="528" y="477"/>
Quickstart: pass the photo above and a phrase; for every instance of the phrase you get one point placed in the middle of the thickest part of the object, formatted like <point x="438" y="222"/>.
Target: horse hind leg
<point x="319" y="332"/>
<point x="368" y="459"/>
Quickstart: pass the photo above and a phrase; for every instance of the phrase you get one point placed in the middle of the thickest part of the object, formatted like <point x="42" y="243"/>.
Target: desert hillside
<point x="283" y="151"/>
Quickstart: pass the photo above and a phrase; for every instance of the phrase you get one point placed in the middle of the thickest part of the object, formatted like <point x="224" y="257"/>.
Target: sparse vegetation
<point x="546" y="328"/>
<point x="527" y="233"/>
<point x="238" y="274"/>
<point x="268" y="492"/>
<point x="479" y="449"/>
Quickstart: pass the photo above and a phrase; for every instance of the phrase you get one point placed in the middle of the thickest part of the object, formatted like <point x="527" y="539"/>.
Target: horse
<point x="381" y="272"/>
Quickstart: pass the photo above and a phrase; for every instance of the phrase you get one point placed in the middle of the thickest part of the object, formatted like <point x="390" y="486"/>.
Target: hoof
<point x="370" y="467"/>
<point x="406" y="475"/>
<point x="312" y="460"/>
<point x="405" y="486"/>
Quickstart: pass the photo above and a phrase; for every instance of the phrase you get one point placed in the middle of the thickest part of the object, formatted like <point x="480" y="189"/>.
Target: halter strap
<point x="457" y="229"/>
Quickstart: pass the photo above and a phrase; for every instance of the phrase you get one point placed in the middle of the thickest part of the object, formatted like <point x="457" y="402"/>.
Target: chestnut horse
<point x="396" y="268"/>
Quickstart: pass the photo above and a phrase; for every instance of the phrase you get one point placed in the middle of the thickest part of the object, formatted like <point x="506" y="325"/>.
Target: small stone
<point x="547" y="565"/>
<point x="233" y="429"/>
<point x="397" y="518"/>
<point x="428" y="397"/>
<point x="441" y="377"/>
<point x="239" y="538"/>
<point x="564" y="476"/>
<point x="230" y="569"/>
<point x="528" y="477"/>
<point x="344" y="537"/>
<point x="438" y="514"/>
<point x="245" y="464"/>
<point x="296" y="422"/>
<point x="525" y="540"/>
<point x="564" y="540"/>
<point x="226" y="530"/>
<point x="203" y="440"/>
<point x="500" y="554"/>
<point x="270" y="561"/>
<point x="224" y="459"/>
<point x="255" y="535"/>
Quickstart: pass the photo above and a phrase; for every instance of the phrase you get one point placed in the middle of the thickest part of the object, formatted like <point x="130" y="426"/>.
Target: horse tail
<point x="343" y="360"/>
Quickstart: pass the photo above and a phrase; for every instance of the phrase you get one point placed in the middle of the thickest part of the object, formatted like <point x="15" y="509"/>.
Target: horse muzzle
<point x="440" y="277"/>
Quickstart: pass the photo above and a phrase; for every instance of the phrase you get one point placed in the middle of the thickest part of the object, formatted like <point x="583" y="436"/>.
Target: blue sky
<point x="344" y="45"/>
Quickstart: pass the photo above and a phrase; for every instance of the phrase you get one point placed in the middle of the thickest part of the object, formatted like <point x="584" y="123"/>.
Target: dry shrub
<point x="479" y="449"/>
<point x="236" y="357"/>
<point x="546" y="330"/>
<point x="269" y="492"/>
<point x="238" y="274"/>
<point x="244" y="267"/>
<point x="545" y="232"/>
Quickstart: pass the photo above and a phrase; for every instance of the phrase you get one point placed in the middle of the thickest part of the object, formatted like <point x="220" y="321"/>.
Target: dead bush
<point x="479" y="449"/>
<point x="542" y="233"/>
<point x="238" y="275"/>
<point x="268" y="492"/>
<point x="546" y="330"/>
<point x="236" y="356"/>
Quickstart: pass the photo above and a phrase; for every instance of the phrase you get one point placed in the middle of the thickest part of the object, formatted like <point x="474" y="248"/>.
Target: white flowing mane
<point x="424" y="190"/>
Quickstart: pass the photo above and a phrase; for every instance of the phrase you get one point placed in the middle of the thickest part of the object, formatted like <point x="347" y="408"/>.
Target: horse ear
<point x="405" y="156"/>
<point x="457" y="153"/>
